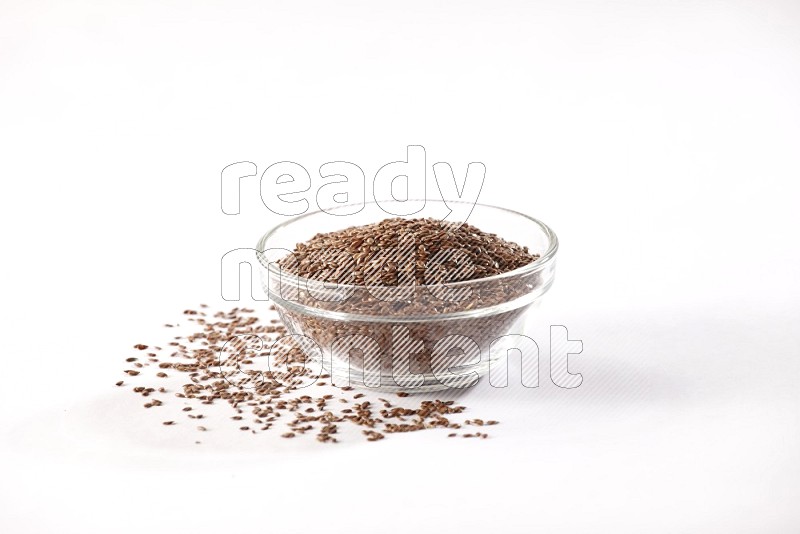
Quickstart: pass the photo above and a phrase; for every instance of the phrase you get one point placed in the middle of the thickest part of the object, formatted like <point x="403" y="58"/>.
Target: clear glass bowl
<point x="407" y="338"/>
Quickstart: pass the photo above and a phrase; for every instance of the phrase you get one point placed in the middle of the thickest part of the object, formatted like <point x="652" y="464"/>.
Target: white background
<point x="659" y="139"/>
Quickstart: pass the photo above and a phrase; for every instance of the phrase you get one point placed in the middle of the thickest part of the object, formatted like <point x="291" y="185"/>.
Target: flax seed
<point x="199" y="357"/>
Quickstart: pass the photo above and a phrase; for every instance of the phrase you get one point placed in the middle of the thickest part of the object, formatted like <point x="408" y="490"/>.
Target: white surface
<point x="659" y="139"/>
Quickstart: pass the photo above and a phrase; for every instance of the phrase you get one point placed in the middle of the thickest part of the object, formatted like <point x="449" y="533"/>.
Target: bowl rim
<point x="546" y="258"/>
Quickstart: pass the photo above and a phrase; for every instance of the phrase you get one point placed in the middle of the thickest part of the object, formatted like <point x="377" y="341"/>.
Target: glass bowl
<point x="411" y="338"/>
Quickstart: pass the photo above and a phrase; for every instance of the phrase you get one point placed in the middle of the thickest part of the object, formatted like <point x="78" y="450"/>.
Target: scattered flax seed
<point x="120" y="383"/>
<point x="372" y="435"/>
<point x="214" y="369"/>
<point x="131" y="359"/>
<point x="402" y="394"/>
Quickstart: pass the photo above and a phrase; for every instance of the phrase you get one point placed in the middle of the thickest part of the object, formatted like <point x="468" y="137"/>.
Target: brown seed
<point x="200" y="356"/>
<point x="140" y="346"/>
<point x="168" y="423"/>
<point x="132" y="372"/>
<point x="489" y="255"/>
<point x="202" y="428"/>
<point x="120" y="383"/>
